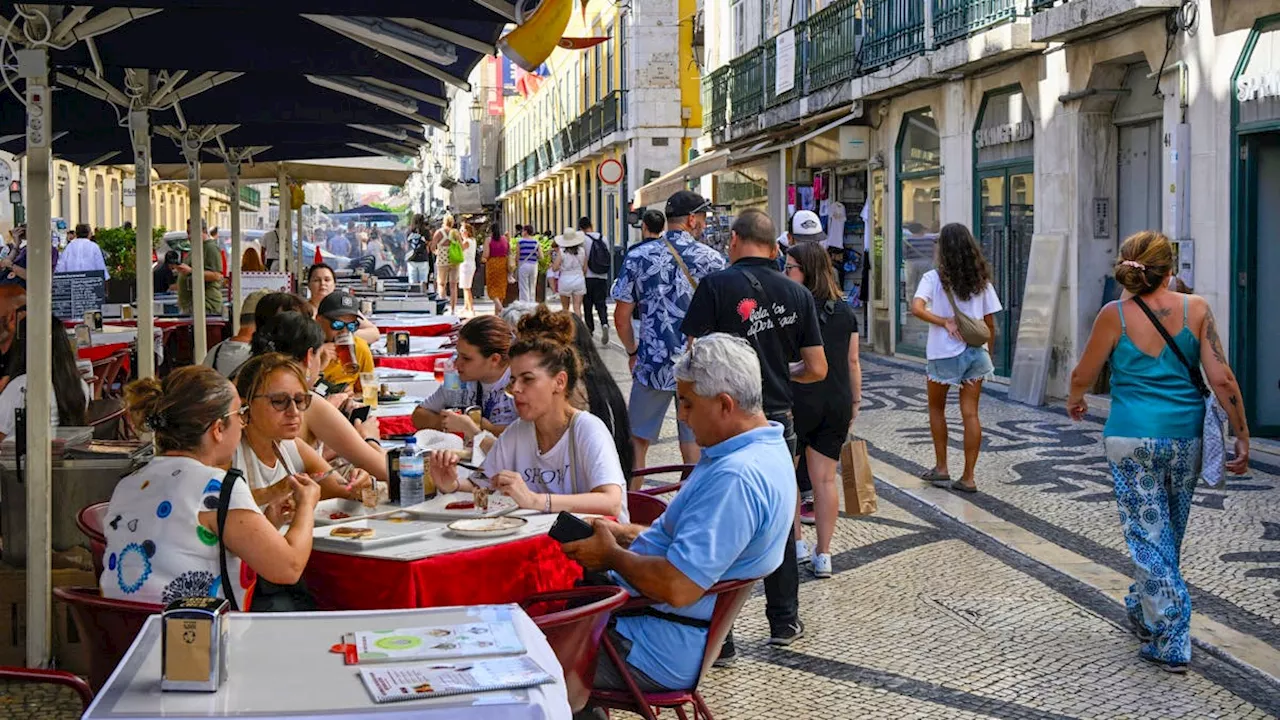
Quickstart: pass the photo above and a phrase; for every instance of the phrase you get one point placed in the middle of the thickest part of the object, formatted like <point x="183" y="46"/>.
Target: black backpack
<point x="598" y="255"/>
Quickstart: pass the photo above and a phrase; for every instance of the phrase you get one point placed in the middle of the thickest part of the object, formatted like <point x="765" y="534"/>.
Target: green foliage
<point x="119" y="247"/>
<point x="547" y="244"/>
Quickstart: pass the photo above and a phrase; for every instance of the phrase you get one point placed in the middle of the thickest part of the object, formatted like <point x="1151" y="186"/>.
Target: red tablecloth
<point x="399" y="425"/>
<point x="505" y="573"/>
<point x="100" y="352"/>
<point x="422" y="363"/>
<point x="432" y="330"/>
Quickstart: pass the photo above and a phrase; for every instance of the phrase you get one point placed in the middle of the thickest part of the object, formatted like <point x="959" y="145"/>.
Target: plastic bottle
<point x="452" y="381"/>
<point x="412" y="490"/>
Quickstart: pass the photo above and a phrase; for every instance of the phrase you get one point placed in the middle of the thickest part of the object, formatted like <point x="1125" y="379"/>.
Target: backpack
<point x="455" y="249"/>
<point x="598" y="255"/>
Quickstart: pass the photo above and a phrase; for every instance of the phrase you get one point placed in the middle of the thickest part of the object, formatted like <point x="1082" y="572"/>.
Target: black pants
<point x="782" y="588"/>
<point x="597" y="296"/>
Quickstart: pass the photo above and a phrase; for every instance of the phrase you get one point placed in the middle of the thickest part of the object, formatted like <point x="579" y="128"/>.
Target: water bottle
<point x="412" y="490"/>
<point x="452" y="381"/>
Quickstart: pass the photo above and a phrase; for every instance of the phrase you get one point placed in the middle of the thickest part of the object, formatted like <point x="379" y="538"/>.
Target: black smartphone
<point x="570" y="528"/>
<point x="361" y="413"/>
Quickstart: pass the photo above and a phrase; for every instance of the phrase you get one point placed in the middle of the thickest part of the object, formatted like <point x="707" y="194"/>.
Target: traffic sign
<point x="610" y="172"/>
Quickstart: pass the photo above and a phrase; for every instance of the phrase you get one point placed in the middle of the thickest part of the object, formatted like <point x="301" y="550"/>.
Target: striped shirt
<point x="528" y="249"/>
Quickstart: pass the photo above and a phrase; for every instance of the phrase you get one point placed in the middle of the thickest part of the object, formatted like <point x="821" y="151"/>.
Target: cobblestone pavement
<point x="24" y="701"/>
<point x="929" y="618"/>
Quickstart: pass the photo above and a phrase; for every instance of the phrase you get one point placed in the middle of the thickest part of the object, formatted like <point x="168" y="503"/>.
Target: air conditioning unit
<point x="850" y="143"/>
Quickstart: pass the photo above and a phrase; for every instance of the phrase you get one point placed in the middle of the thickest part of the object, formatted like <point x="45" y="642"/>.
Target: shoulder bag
<point x="974" y="332"/>
<point x="1213" y="438"/>
<point x="224" y="508"/>
<point x="680" y="261"/>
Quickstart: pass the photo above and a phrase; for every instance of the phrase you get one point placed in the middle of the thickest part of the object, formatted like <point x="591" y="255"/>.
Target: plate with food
<point x="373" y="532"/>
<point x="487" y="527"/>
<point x="453" y="506"/>
<point x="337" y="510"/>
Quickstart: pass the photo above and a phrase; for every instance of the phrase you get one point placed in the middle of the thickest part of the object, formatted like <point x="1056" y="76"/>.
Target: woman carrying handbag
<point x="1164" y="431"/>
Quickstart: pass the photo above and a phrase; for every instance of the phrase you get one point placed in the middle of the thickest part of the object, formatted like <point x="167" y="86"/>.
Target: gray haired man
<point x="731" y="520"/>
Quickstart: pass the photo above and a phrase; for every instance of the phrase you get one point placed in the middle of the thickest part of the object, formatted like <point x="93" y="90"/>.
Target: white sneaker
<point x="802" y="552"/>
<point x="821" y="565"/>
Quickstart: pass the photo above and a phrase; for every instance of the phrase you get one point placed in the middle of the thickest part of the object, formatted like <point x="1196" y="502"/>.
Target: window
<point x="800" y="10"/>
<point x="608" y="59"/>
<point x="747" y="25"/>
<point x="920" y="214"/>
<point x="599" y="62"/>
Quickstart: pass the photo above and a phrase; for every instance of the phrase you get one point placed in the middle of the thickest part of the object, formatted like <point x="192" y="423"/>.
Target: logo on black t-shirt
<point x="765" y="317"/>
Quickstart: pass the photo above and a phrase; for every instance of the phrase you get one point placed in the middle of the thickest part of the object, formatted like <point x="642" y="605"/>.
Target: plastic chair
<point x="643" y="508"/>
<point x="90" y="521"/>
<point x="684" y="471"/>
<point x="731" y="595"/>
<point x="107" y="626"/>
<point x="574" y="631"/>
<point x="36" y="676"/>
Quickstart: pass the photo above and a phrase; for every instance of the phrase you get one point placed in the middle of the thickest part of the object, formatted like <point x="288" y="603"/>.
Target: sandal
<point x="937" y="478"/>
<point x="961" y="487"/>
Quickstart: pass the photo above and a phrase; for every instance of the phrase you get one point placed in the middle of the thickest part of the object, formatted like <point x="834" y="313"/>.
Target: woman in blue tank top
<point x="1152" y="435"/>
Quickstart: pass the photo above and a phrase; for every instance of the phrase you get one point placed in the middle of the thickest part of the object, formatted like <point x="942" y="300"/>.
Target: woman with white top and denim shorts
<point x="961" y="281"/>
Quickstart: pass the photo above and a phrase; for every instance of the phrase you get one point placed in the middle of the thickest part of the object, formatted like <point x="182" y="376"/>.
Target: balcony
<point x="746" y="78"/>
<point x="1067" y="20"/>
<point x="594" y="125"/>
<point x="894" y="30"/>
<point x="250" y="196"/>
<point x="954" y="19"/>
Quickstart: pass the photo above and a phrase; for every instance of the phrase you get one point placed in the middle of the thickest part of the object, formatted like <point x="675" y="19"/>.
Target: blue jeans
<point x="1155" y="479"/>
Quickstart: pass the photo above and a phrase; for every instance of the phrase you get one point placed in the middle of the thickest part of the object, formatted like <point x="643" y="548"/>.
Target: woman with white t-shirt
<point x="554" y="457"/>
<point x="70" y="392"/>
<point x="961" y="282"/>
<point x="161" y="524"/>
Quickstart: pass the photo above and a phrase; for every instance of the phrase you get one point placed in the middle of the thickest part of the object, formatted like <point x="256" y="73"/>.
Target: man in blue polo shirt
<point x="731" y="520"/>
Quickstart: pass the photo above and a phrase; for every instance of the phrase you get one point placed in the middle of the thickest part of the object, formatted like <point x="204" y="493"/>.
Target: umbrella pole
<point x="285" y="251"/>
<point x="233" y="176"/>
<point x="195" y="233"/>
<point x="140" y="133"/>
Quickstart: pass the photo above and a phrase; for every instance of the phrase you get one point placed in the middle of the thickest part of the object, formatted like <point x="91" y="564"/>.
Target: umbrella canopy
<point x="366" y="213"/>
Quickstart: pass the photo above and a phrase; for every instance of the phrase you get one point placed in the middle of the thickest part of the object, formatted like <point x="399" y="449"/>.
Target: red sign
<point x="610" y="172"/>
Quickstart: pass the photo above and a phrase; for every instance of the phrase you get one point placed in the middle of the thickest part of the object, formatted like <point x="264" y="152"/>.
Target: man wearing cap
<point x="227" y="356"/>
<point x="164" y="277"/>
<point x="212" y="278"/>
<point x="339" y="315"/>
<point x="657" y="279"/>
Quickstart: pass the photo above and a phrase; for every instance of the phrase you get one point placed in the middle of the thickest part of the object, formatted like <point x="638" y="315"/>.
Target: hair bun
<point x="544" y="322"/>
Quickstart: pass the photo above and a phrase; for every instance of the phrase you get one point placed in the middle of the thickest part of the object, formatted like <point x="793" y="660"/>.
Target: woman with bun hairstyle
<point x="161" y="524"/>
<point x="554" y="457"/>
<point x="324" y="427"/>
<point x="1153" y="433"/>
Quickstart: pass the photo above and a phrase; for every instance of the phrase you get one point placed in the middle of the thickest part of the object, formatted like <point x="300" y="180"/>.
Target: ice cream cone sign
<point x="540" y="24"/>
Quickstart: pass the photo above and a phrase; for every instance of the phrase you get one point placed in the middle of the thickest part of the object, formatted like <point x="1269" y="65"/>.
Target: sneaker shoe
<point x="821" y="565"/>
<point x="1169" y="666"/>
<point x="802" y="552"/>
<point x="786" y="634"/>
<point x="604" y="335"/>
<point x="728" y="654"/>
<point x="806" y="513"/>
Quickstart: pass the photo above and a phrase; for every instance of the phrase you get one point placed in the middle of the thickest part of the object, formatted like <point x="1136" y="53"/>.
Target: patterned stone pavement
<point x="927" y="617"/>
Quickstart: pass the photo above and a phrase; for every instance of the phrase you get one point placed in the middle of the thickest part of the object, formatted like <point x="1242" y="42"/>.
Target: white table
<point x="281" y="667"/>
<point x="440" y="541"/>
<point x="404" y="407"/>
<point x="417" y="345"/>
<point x="414" y="383"/>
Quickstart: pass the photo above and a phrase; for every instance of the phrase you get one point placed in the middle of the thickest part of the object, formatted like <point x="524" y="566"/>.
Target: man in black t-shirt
<point x="753" y="300"/>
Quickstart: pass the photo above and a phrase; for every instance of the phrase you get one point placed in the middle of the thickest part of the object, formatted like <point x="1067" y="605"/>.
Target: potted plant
<point x="119" y="248"/>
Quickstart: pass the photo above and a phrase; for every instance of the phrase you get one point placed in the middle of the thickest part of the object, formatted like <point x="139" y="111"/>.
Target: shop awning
<point x="742" y="155"/>
<point x="664" y="187"/>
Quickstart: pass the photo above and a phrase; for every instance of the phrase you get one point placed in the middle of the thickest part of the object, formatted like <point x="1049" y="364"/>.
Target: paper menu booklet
<point x="432" y="643"/>
<point x="417" y="682"/>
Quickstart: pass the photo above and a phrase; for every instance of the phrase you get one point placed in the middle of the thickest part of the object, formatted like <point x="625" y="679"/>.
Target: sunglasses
<point x="282" y="401"/>
<point x="348" y="326"/>
<point x="244" y="410"/>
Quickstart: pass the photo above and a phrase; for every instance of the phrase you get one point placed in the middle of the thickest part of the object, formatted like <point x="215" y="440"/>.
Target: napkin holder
<point x="194" y="645"/>
<point x="398" y="342"/>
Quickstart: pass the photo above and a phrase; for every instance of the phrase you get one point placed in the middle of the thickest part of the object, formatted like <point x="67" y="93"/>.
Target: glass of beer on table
<point x="369" y="389"/>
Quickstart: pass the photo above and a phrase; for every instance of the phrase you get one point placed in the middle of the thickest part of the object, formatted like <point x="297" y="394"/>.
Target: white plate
<point x="354" y="510"/>
<point x="488" y="527"/>
<point x="437" y="507"/>
<point x="395" y="529"/>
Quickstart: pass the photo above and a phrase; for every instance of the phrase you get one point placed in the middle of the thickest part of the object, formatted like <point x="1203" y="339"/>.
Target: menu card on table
<point x="416" y="682"/>
<point x="432" y="643"/>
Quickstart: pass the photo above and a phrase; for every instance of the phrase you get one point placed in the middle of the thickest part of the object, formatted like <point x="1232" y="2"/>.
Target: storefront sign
<point x="784" y="70"/>
<point x="1004" y="134"/>
<point x="1257" y="87"/>
<point x="130" y="192"/>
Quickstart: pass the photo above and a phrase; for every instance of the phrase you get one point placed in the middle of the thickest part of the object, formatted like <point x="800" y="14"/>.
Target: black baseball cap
<point x="339" y="303"/>
<point x="685" y="203"/>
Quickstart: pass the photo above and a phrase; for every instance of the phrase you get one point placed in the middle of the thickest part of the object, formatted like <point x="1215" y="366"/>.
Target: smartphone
<point x="361" y="413"/>
<point x="570" y="528"/>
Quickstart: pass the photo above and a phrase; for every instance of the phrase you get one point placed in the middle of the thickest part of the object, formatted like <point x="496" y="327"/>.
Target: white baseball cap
<point x="806" y="223"/>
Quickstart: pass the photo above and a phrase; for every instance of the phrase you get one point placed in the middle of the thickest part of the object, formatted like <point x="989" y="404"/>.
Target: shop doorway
<point x="1138" y="116"/>
<point x="1259" y="348"/>
<point x="1007" y="203"/>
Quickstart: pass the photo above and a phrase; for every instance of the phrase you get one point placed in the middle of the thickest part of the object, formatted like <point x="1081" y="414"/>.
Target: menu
<point x="74" y="293"/>
<point x="433" y="643"/>
<point x="417" y="682"/>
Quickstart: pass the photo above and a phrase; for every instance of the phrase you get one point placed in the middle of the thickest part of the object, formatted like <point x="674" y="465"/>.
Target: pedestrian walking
<point x="753" y="300"/>
<point x="597" y="278"/>
<point x="529" y="254"/>
<point x="657" y="280"/>
<point x="495" y="267"/>
<point x="82" y="254"/>
<point x="825" y="410"/>
<point x="1157" y="342"/>
<point x="570" y="266"/>
<point x="957" y="300"/>
<point x="467" y="268"/>
<point x="446" y="276"/>
<point x="419" y="251"/>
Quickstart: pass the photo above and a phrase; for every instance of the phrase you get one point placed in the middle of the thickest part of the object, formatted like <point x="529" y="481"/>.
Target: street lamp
<point x="437" y="167"/>
<point x="477" y="111"/>
<point x="449" y="147"/>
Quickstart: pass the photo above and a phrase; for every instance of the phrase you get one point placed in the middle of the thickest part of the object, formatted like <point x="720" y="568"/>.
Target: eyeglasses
<point x="792" y="266"/>
<point x="348" y="326"/>
<point x="282" y="401"/>
<point x="244" y="410"/>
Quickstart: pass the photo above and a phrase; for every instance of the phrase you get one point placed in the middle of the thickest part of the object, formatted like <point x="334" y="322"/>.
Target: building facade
<point x="1053" y="129"/>
<point x="630" y="104"/>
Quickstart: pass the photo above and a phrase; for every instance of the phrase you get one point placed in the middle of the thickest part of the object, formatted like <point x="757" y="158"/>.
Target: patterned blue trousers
<point x="1155" y="479"/>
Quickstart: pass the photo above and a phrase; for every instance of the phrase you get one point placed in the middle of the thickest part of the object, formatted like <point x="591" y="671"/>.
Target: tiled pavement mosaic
<point x="928" y="618"/>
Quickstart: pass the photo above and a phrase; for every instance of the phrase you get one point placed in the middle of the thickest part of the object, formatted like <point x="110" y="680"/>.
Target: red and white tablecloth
<point x="425" y="362"/>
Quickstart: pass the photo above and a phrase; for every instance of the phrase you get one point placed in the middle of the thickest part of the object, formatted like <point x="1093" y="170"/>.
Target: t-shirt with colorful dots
<point x="157" y="550"/>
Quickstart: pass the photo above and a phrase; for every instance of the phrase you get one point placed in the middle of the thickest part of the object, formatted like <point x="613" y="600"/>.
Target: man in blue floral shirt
<point x="657" y="280"/>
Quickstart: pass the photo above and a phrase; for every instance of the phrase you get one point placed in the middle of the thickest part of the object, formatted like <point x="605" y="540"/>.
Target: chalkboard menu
<point x="76" y="292"/>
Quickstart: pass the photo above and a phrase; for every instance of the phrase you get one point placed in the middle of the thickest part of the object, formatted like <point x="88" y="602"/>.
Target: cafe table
<point x="395" y="418"/>
<point x="440" y="569"/>
<point x="423" y="353"/>
<point x="280" y="666"/>
<point x="416" y="325"/>
<point x="413" y="383"/>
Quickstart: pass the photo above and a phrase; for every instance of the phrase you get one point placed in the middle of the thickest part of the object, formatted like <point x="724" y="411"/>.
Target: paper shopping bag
<point x="859" y="484"/>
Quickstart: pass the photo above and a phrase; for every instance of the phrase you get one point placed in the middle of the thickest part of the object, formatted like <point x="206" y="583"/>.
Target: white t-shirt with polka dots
<point x="157" y="550"/>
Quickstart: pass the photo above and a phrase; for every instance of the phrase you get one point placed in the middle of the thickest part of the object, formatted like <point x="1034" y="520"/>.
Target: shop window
<point x="919" y="194"/>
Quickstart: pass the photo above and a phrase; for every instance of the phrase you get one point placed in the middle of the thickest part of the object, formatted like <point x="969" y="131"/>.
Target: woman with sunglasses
<point x="483" y="367"/>
<point x="321" y="283"/>
<point x="554" y="457"/>
<point x="161" y="524"/>
<point x="275" y="392"/>
<point x="324" y="426"/>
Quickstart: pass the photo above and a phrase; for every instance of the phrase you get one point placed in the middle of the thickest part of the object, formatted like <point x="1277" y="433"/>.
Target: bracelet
<point x="374" y="442"/>
<point x="633" y="354"/>
<point x="547" y="509"/>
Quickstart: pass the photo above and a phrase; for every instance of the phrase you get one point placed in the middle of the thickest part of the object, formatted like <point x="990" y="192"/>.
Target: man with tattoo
<point x="1158" y="342"/>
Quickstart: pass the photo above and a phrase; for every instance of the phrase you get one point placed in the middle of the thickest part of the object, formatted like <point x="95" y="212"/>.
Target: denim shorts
<point x="648" y="408"/>
<point x="972" y="365"/>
